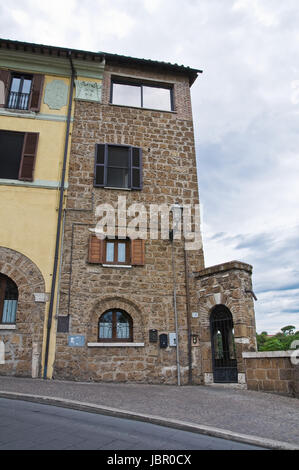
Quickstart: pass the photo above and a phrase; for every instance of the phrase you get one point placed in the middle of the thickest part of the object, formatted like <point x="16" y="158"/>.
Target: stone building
<point x="143" y="309"/>
<point x="88" y="138"/>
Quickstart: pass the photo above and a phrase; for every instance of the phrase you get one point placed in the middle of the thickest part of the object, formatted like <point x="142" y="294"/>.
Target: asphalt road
<point x="32" y="426"/>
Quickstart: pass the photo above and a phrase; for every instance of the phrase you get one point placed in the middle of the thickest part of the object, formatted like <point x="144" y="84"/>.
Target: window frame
<point x="96" y="251"/>
<point x="22" y="76"/>
<point x="3" y="285"/>
<point x="142" y="83"/>
<point x="131" y="167"/>
<point x="27" y="157"/>
<point x="114" y="339"/>
<point x="116" y="242"/>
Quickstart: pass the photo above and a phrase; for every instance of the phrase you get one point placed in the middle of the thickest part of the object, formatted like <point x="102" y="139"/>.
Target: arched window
<point x="115" y="325"/>
<point x="8" y="300"/>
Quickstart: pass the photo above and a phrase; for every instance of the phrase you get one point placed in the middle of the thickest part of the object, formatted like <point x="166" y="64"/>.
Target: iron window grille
<point x="115" y="326"/>
<point x="20" y="90"/>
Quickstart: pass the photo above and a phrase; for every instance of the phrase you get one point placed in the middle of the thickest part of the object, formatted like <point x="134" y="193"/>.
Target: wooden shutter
<point x="100" y="168"/>
<point x="36" y="92"/>
<point x="28" y="156"/>
<point x="136" y="168"/>
<point x="95" y="249"/>
<point x="137" y="252"/>
<point x="5" y="78"/>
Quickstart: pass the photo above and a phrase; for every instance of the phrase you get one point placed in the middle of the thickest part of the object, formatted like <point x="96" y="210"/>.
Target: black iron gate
<point x="223" y="346"/>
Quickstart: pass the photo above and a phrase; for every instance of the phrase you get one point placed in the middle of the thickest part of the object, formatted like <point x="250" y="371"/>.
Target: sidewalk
<point x="242" y="415"/>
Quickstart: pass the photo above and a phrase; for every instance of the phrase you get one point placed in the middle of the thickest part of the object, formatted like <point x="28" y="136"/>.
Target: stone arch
<point x="29" y="316"/>
<point x="116" y="302"/>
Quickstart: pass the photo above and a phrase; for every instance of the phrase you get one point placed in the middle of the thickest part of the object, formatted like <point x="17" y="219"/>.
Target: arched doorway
<point x="223" y="345"/>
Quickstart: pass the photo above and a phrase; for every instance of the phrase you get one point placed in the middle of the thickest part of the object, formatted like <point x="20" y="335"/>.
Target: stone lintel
<point x="231" y="265"/>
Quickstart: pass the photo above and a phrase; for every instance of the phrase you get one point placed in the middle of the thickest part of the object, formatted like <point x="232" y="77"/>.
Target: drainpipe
<point x="188" y="316"/>
<point x="175" y="313"/>
<point x="60" y="211"/>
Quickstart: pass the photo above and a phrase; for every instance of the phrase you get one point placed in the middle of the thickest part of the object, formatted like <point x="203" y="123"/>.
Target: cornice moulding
<point x="37" y="63"/>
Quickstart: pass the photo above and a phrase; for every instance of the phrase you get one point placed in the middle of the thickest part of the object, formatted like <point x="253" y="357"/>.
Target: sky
<point x="245" y="111"/>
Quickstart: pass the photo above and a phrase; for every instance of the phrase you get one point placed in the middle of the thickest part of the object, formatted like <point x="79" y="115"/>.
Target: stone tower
<point x="139" y="309"/>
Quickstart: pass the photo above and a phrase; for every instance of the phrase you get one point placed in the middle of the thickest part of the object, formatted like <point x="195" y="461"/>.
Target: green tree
<point x="280" y="342"/>
<point x="288" y="330"/>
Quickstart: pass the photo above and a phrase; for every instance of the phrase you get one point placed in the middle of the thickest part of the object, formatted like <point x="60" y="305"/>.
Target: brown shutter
<point x="137" y="252"/>
<point x="28" y="156"/>
<point x="36" y="92"/>
<point x="5" y="78"/>
<point x="95" y="249"/>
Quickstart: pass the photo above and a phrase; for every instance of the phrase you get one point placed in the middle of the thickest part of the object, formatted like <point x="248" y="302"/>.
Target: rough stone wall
<point x="30" y="314"/>
<point x="272" y="372"/>
<point x="145" y="292"/>
<point x="226" y="284"/>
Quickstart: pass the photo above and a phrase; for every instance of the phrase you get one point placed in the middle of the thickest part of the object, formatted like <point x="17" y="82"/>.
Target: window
<point x="8" y="300"/>
<point x="118" y="166"/>
<point x="21" y="91"/>
<point x="17" y="155"/>
<point x="118" y="251"/>
<point x="115" y="326"/>
<point x="142" y="95"/>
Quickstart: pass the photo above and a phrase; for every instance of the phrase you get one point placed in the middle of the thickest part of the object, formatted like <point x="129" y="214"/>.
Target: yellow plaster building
<point x="38" y="87"/>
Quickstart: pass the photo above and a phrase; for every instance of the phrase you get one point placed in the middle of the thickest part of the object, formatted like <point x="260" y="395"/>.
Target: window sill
<point x="7" y="327"/>
<point x="146" y="109"/>
<point x="116" y="266"/>
<point x="118" y="189"/>
<point x="31" y="184"/>
<point x="115" y="345"/>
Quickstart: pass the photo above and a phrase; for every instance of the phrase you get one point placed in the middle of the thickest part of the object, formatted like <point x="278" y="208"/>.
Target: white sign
<point x="172" y="339"/>
<point x="41" y="297"/>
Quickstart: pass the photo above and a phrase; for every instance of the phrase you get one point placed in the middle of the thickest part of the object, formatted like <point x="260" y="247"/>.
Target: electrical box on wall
<point x="163" y="340"/>
<point x="172" y="339"/>
<point x="153" y="336"/>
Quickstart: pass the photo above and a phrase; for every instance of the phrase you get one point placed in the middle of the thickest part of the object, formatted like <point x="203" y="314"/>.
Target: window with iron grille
<point x="8" y="300"/>
<point x="17" y="154"/>
<point x="115" y="326"/>
<point x="21" y="91"/>
<point x="118" y="166"/>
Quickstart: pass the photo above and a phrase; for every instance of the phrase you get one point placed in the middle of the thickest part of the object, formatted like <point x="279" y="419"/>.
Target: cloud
<point x="245" y="108"/>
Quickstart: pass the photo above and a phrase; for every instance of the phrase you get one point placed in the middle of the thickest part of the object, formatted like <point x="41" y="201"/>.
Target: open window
<point x="18" y="154"/>
<point x="141" y="94"/>
<point x="21" y="91"/>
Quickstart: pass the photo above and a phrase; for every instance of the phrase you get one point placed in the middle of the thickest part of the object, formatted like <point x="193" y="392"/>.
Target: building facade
<point x="36" y="108"/>
<point x="102" y="265"/>
<point x="138" y="309"/>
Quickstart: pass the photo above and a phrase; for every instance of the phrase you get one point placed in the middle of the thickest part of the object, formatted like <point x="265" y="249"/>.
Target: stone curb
<point x="172" y="423"/>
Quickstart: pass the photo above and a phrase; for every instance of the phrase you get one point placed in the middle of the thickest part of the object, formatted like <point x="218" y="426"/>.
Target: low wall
<point x="272" y="371"/>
